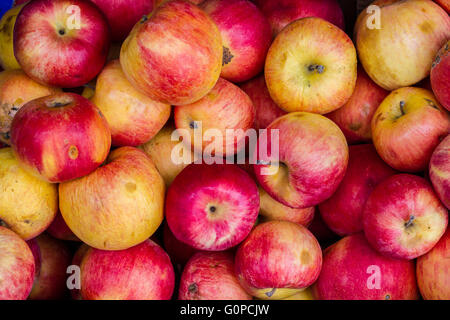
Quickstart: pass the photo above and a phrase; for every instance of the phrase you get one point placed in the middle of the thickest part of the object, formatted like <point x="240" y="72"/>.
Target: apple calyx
<point x="271" y="292"/>
<point x="227" y="56"/>
<point x="61" y="32"/>
<point x="410" y="222"/>
<point x="144" y="18"/>
<point x="193" y="288"/>
<point x="316" y="67"/>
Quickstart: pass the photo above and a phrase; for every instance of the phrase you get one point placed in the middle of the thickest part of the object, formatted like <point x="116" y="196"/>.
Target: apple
<point x="212" y="207"/>
<point x="355" y="116"/>
<point x="246" y="37"/>
<point x="58" y="229"/>
<point x="142" y="272"/>
<point x="343" y="212"/>
<point x="311" y="163"/>
<point x="403" y="218"/>
<point x="311" y="66"/>
<point x="51" y="258"/>
<point x="433" y="271"/>
<point x="27" y="204"/>
<point x="174" y="55"/>
<point x="278" y="259"/>
<point x="16" y="266"/>
<point x="132" y="117"/>
<point x="122" y="15"/>
<point x="60" y="137"/>
<point x="352" y="270"/>
<point x="59" y="45"/>
<point x="385" y="51"/>
<point x="282" y="12"/>
<point x="445" y="4"/>
<point x="160" y="2"/>
<point x="178" y="251"/>
<point x="306" y="294"/>
<point x="266" y="109"/>
<point x="407" y="127"/>
<point x="117" y="206"/>
<point x="439" y="75"/>
<point x="226" y="107"/>
<point x="210" y="276"/>
<point x="7" y="59"/>
<point x="440" y="171"/>
<point x="270" y="209"/>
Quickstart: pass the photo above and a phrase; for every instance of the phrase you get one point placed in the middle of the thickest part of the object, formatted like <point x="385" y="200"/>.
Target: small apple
<point x="403" y="218"/>
<point x="440" y="171"/>
<point x="439" y="76"/>
<point x="7" y="59"/>
<point x="58" y="229"/>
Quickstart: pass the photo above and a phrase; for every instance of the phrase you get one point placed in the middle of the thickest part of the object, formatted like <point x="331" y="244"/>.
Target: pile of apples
<point x="356" y="202"/>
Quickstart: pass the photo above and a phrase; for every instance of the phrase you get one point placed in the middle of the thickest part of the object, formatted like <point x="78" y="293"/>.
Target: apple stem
<point x="402" y="105"/>
<point x="271" y="292"/>
<point x="409" y="222"/>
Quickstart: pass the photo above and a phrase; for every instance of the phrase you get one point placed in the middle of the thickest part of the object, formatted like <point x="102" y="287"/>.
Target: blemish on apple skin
<point x="387" y="297"/>
<point x="227" y="56"/>
<point x="355" y="126"/>
<point x="193" y="288"/>
<point x="271" y="292"/>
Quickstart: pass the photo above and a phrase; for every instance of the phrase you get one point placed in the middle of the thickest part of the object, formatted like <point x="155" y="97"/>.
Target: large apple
<point x="282" y="12"/>
<point x="278" y="259"/>
<point x="312" y="159"/>
<point x="311" y="66"/>
<point x="212" y="207"/>
<point x="16" y="89"/>
<point x="440" y="76"/>
<point x="174" y="55"/>
<point x="246" y="37"/>
<point x="440" y="171"/>
<point x="51" y="257"/>
<point x="142" y="272"/>
<point x="61" y="43"/>
<point x="60" y="137"/>
<point x="27" y="204"/>
<point x="407" y="127"/>
<point x="117" y="206"/>
<point x="211" y="276"/>
<point x="132" y="117"/>
<point x="343" y="212"/>
<point x="16" y="266"/>
<point x="355" y="116"/>
<point x="58" y="229"/>
<point x="352" y="270"/>
<point x="7" y="59"/>
<point x="266" y="109"/>
<point x="433" y="271"/>
<point x="385" y="51"/>
<point x="403" y="218"/>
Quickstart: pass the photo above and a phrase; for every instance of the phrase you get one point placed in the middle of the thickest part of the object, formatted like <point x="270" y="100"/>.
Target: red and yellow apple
<point x="440" y="76"/>
<point x="439" y="172"/>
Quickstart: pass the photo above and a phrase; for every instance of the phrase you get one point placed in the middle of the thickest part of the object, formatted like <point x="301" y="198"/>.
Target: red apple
<point x="266" y="109"/>
<point x="282" y="12"/>
<point x="312" y="159"/>
<point x="51" y="257"/>
<point x="142" y="272"/>
<point x="403" y="218"/>
<point x="212" y="207"/>
<point x="61" y="43"/>
<point x="278" y="259"/>
<point x="210" y="276"/>
<point x="440" y="75"/>
<point x="122" y="15"/>
<point x="355" y="116"/>
<point x="352" y="270"/>
<point x="440" y="171"/>
<point x="344" y="210"/>
<point x="178" y="251"/>
<point x="246" y="37"/>
<point x="433" y="271"/>
<point x="407" y="127"/>
<point x="60" y="137"/>
<point x="174" y="55"/>
<point x="59" y="229"/>
<point x="16" y="266"/>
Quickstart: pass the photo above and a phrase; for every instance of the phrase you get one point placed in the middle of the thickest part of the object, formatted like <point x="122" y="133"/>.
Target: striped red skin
<point x="58" y="229"/>
<point x="313" y="157"/>
<point x="178" y="251"/>
<point x="246" y="37"/>
<point x="444" y="4"/>
<point x="175" y="56"/>
<point x="60" y="143"/>
<point x="440" y="75"/>
<point x="278" y="255"/>
<point x="346" y="273"/>
<point x="142" y="272"/>
<point x="210" y="276"/>
<point x="212" y="207"/>
<point x="70" y="60"/>
<point x="343" y="211"/>
<point x="403" y="218"/>
<point x="266" y="109"/>
<point x="281" y="13"/>
<point x="355" y="116"/>
<point x="16" y="266"/>
<point x="440" y="171"/>
<point x="52" y="257"/>
<point x="433" y="271"/>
